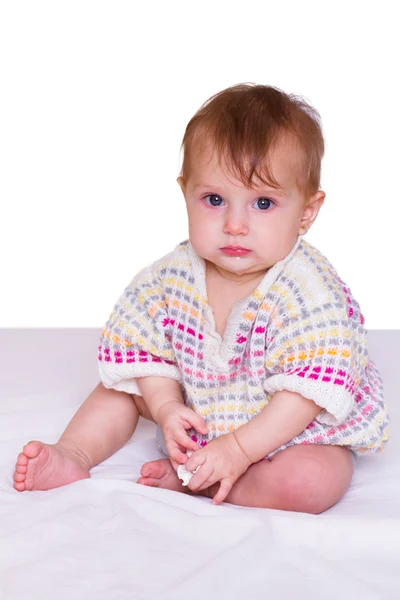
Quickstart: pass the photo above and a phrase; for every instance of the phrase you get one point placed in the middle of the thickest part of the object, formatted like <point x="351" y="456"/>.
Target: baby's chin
<point x="237" y="267"/>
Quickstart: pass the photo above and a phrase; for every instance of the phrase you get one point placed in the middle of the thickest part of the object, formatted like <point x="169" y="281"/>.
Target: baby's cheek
<point x="197" y="242"/>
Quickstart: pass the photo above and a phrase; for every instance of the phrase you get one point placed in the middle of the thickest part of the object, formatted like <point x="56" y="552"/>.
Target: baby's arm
<point x="158" y="391"/>
<point x="163" y="398"/>
<point x="226" y="458"/>
<point x="285" y="416"/>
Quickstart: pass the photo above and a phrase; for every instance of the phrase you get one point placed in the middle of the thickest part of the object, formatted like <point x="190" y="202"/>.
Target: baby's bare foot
<point x="160" y="473"/>
<point x="47" y="466"/>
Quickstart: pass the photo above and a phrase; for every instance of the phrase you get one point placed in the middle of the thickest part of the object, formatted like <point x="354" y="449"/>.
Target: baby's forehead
<point x="283" y="162"/>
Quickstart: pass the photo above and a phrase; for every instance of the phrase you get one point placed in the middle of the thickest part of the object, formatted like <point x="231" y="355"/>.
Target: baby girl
<point x="243" y="344"/>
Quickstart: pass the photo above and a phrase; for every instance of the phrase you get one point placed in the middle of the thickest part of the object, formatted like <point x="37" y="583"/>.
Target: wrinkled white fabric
<point x="111" y="539"/>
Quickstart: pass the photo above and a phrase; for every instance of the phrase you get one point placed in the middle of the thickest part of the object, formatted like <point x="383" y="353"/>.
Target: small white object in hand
<point x="184" y="474"/>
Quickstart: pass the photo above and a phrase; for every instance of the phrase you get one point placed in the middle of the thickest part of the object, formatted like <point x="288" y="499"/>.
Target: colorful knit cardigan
<point x="300" y="330"/>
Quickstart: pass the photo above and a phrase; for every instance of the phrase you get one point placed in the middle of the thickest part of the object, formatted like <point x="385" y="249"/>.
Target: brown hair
<point x="245" y="121"/>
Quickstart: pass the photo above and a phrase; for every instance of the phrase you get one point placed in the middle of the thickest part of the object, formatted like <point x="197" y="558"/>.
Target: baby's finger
<point x="224" y="489"/>
<point x="197" y="459"/>
<point x="211" y="479"/>
<point x="177" y="455"/>
<point x="197" y="422"/>
<point x="184" y="440"/>
<point x="175" y="452"/>
<point x="201" y="479"/>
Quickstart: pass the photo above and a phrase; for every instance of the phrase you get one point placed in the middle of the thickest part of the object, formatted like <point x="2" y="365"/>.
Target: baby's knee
<point x="299" y="490"/>
<point x="314" y="485"/>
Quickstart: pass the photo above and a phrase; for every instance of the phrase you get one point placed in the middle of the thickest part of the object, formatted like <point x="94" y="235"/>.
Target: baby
<point x="243" y="344"/>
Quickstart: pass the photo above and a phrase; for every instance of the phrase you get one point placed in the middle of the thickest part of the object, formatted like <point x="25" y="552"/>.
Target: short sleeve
<point x="320" y="354"/>
<point x="136" y="340"/>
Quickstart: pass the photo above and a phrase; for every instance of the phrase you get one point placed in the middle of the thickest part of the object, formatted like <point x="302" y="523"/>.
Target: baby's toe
<point x="149" y="470"/>
<point x="32" y="449"/>
<point x="20" y="487"/>
<point x="18" y="477"/>
<point x="156" y="469"/>
<point x="21" y="468"/>
<point x="22" y="460"/>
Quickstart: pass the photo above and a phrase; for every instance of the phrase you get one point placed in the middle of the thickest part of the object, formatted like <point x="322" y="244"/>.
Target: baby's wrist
<point x="241" y="449"/>
<point x="165" y="409"/>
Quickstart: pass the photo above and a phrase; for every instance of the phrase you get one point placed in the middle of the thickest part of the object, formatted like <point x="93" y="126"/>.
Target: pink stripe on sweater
<point x="181" y="327"/>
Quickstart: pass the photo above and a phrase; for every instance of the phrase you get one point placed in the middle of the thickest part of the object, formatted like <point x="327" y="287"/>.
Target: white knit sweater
<point x="300" y="330"/>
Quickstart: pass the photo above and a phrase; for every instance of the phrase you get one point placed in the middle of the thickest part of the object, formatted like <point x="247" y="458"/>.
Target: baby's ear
<point x="181" y="183"/>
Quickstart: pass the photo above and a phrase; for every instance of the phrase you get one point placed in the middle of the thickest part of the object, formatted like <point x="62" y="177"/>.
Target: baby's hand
<point x="221" y="460"/>
<point x="175" y="419"/>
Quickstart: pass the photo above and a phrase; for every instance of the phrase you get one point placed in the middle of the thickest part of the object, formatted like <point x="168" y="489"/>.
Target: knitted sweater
<point x="300" y="330"/>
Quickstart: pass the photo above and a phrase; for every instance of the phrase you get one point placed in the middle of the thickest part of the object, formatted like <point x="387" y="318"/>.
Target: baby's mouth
<point x="235" y="251"/>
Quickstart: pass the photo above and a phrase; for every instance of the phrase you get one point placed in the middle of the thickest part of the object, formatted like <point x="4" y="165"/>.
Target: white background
<point x="95" y="98"/>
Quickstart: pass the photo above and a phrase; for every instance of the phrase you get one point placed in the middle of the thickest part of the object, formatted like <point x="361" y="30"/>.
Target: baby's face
<point x="240" y="230"/>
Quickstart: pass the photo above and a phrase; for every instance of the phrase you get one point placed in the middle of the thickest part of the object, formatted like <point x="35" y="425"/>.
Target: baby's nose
<point x="236" y="222"/>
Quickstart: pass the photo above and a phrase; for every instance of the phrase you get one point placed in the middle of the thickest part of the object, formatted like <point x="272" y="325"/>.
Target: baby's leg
<point x="102" y="425"/>
<point x="303" y="478"/>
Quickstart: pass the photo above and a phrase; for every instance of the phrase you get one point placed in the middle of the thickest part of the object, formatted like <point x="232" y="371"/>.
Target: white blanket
<point x="110" y="538"/>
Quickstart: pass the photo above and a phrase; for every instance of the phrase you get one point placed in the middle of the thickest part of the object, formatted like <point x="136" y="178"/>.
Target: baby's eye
<point x="263" y="203"/>
<point x="213" y="200"/>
